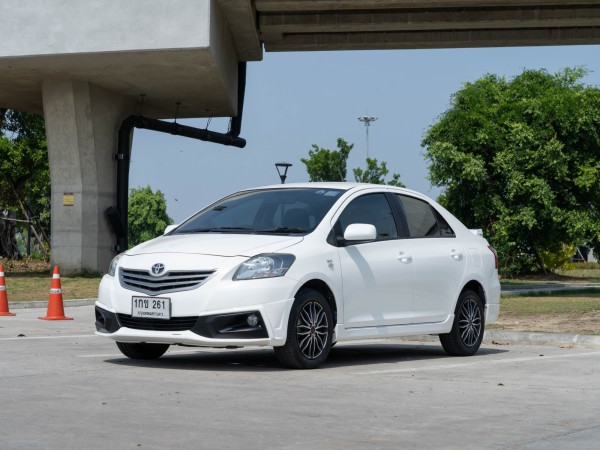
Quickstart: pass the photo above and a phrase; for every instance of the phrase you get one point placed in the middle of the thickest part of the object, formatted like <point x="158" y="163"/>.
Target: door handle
<point x="456" y="255"/>
<point x="404" y="257"/>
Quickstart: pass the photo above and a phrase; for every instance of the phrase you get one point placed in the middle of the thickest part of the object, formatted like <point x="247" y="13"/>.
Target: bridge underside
<point x="186" y="64"/>
<point x="419" y="24"/>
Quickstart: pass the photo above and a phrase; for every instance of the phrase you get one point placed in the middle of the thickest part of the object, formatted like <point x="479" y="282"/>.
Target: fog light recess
<point x="252" y="320"/>
<point x="244" y="325"/>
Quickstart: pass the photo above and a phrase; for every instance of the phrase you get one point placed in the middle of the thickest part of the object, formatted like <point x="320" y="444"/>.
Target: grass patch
<point x="36" y="286"/>
<point x="582" y="273"/>
<point x="588" y="271"/>
<point x="580" y="304"/>
<point x="571" y="313"/>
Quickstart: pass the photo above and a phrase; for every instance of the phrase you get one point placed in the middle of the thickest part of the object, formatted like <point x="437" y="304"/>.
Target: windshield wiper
<point x="215" y="230"/>
<point x="284" y="230"/>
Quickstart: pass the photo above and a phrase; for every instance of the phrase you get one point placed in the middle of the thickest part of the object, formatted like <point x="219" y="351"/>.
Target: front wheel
<point x="142" y="351"/>
<point x="310" y="330"/>
<point x="467" y="330"/>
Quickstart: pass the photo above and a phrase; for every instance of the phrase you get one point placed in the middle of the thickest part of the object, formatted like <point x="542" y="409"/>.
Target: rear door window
<point x="423" y="220"/>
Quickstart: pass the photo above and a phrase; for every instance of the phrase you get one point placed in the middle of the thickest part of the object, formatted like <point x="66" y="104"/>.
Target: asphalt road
<point x="61" y="387"/>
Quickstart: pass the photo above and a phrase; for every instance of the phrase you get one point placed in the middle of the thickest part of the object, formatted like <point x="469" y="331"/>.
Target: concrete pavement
<point x="61" y="387"/>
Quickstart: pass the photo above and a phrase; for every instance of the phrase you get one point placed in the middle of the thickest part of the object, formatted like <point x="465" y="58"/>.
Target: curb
<point x="500" y="338"/>
<point x="497" y="337"/>
<point x="514" y="290"/>
<point x="44" y="303"/>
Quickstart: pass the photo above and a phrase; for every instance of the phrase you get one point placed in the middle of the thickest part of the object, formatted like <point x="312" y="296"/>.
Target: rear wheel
<point x="142" y="351"/>
<point x="310" y="330"/>
<point x="467" y="330"/>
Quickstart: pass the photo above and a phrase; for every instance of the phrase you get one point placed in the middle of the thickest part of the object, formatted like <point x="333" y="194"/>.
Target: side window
<point x="445" y="229"/>
<point x="373" y="209"/>
<point x="422" y="220"/>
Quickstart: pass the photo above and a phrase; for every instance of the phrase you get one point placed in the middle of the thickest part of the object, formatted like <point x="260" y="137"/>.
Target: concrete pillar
<point x="82" y="123"/>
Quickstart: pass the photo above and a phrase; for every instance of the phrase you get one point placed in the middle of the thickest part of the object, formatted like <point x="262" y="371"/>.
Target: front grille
<point x="173" y="324"/>
<point x="174" y="281"/>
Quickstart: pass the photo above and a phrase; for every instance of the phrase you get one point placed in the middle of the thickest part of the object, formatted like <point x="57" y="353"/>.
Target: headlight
<point x="264" y="266"/>
<point x="113" y="265"/>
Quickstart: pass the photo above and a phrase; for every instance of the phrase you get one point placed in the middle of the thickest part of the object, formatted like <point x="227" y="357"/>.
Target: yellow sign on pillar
<point x="68" y="199"/>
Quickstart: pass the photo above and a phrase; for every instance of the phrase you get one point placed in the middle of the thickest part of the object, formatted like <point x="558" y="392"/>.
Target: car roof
<point x="343" y="185"/>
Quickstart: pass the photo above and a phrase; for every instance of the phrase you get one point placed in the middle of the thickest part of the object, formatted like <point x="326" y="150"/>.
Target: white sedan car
<point x="300" y="267"/>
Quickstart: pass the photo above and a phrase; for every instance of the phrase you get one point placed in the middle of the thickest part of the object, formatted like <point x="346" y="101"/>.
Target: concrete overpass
<point x="86" y="65"/>
<point x="413" y="24"/>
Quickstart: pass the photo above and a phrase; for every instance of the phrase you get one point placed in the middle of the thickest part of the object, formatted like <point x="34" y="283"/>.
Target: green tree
<point x="331" y="165"/>
<point x="519" y="159"/>
<point x="25" y="174"/>
<point x="328" y="165"/>
<point x="375" y="174"/>
<point x="148" y="216"/>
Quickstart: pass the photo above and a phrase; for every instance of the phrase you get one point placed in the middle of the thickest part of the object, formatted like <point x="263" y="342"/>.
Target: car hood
<point x="216" y="244"/>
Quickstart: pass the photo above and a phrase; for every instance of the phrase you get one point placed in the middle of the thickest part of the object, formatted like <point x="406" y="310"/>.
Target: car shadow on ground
<point x="264" y="360"/>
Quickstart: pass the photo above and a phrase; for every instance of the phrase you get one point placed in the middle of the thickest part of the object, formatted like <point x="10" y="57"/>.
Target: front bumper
<point x="246" y="325"/>
<point x="218" y="329"/>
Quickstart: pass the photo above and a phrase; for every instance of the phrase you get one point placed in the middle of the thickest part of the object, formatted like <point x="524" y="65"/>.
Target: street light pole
<point x="282" y="166"/>
<point x="367" y="121"/>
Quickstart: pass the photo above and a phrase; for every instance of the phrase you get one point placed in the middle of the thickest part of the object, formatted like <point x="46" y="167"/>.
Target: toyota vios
<point x="300" y="267"/>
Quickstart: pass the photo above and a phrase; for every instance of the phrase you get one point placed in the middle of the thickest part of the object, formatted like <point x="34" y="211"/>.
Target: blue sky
<point x="294" y="100"/>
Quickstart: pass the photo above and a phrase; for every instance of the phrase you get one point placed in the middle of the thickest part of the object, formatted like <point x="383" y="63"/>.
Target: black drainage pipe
<point x="117" y="216"/>
<point x="236" y="122"/>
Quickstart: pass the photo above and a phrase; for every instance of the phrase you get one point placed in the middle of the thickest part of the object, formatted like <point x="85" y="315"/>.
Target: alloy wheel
<point x="470" y="323"/>
<point x="312" y="330"/>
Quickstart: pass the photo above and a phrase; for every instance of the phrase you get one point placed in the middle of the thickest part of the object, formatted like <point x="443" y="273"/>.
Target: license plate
<point x="151" y="307"/>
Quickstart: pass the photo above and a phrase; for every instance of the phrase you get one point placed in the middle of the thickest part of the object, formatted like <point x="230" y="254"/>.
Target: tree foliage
<point x="331" y="165"/>
<point x="519" y="158"/>
<point x="375" y="174"/>
<point x="24" y="175"/>
<point x="147" y="216"/>
<point x="328" y="165"/>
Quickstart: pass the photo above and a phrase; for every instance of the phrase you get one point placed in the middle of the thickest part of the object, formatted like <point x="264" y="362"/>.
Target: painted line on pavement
<point x="170" y="352"/>
<point x="28" y="338"/>
<point x="475" y="363"/>
<point x="103" y="355"/>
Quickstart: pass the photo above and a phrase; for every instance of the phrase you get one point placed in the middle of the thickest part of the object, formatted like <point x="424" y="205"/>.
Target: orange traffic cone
<point x="3" y="297"/>
<point x="56" y="310"/>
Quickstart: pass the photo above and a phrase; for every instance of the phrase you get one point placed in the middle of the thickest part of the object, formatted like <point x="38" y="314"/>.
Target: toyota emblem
<point x="158" y="269"/>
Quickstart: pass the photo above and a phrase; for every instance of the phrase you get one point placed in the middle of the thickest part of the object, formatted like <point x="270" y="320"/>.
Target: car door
<point x="377" y="275"/>
<point x="439" y="260"/>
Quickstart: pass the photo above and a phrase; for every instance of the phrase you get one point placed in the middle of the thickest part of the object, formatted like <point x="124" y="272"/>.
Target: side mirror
<point x="170" y="228"/>
<point x="360" y="232"/>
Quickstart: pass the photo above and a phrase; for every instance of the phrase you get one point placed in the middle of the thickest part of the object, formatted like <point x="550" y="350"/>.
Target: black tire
<point x="467" y="330"/>
<point x="142" y="351"/>
<point x="310" y="330"/>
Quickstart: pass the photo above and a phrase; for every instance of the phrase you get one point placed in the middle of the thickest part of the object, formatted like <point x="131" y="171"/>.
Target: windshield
<point x="285" y="211"/>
